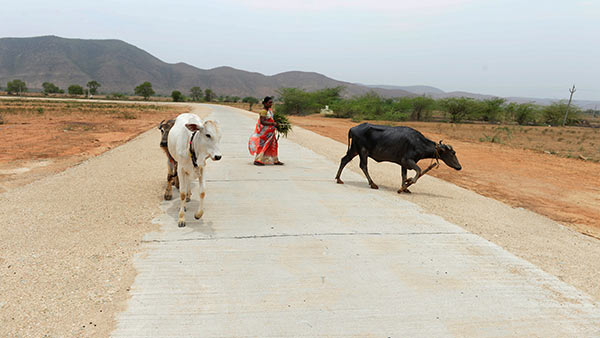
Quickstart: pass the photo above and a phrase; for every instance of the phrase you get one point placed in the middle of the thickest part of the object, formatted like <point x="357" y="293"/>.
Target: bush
<point x="459" y="107"/>
<point x="75" y="90"/>
<point x="523" y="114"/>
<point x="492" y="109"/>
<point x="421" y="106"/>
<point x="50" y="88"/>
<point x="177" y="96"/>
<point x="299" y="101"/>
<point x="555" y="113"/>
<point x="117" y="96"/>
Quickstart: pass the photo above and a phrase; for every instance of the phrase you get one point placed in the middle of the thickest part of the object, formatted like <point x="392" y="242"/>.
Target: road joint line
<point x="326" y="234"/>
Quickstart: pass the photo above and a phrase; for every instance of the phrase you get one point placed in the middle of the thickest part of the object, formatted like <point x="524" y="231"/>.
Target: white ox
<point x="191" y="142"/>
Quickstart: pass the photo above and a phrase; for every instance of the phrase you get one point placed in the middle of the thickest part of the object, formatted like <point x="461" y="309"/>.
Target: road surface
<point x="284" y="251"/>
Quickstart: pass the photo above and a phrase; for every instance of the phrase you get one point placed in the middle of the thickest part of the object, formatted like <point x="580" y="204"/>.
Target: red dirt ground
<point x="39" y="138"/>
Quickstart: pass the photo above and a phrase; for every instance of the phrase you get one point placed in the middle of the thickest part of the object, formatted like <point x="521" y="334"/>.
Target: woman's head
<point x="267" y="102"/>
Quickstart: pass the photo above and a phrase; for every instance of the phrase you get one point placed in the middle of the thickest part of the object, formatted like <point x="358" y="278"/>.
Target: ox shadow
<point x="392" y="189"/>
<point x="196" y="225"/>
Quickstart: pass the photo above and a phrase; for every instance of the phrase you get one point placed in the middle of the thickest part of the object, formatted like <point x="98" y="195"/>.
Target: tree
<point x="16" y="87"/>
<point x="145" y="90"/>
<point x="457" y="107"/>
<point x="50" y="88"/>
<point x="299" y="101"/>
<point x="554" y="113"/>
<point x="524" y="113"/>
<point x="421" y="105"/>
<point x="251" y="101"/>
<point x="492" y="109"/>
<point x="75" y="90"/>
<point x="196" y="93"/>
<point x="209" y="95"/>
<point x="93" y="86"/>
<point x="177" y="96"/>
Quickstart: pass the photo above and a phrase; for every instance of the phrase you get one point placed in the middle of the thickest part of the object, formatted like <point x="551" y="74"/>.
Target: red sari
<point x="263" y="142"/>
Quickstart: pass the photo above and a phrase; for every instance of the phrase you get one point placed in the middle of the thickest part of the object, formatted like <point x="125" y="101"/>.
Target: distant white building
<point x="326" y="111"/>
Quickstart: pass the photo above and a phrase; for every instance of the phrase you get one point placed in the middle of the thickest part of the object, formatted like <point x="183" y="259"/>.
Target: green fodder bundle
<point x="283" y="124"/>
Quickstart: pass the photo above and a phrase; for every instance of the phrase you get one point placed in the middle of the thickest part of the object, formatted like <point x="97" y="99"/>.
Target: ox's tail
<point x="349" y="139"/>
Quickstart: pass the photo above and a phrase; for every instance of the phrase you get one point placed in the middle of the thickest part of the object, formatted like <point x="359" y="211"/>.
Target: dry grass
<point x="568" y="142"/>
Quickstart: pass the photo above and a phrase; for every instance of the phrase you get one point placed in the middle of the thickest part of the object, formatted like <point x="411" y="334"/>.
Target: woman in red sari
<point x="263" y="142"/>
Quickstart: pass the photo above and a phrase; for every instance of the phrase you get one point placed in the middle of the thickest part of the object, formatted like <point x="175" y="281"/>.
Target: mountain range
<point x="120" y="67"/>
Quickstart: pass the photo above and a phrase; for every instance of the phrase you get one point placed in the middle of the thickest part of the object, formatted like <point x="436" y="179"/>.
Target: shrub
<point x="75" y="90"/>
<point x="458" y="108"/>
<point x="299" y="101"/>
<point x="555" y="113"/>
<point x="492" y="109"/>
<point x="177" y="96"/>
<point x="421" y="106"/>
<point x="50" y="88"/>
<point x="523" y="114"/>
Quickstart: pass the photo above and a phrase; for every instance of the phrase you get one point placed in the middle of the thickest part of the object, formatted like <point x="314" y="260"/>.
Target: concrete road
<point x="284" y="251"/>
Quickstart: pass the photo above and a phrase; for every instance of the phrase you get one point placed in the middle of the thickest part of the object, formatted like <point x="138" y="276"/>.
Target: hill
<point x="119" y="67"/>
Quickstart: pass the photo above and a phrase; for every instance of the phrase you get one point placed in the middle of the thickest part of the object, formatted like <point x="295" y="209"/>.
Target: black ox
<point x="402" y="145"/>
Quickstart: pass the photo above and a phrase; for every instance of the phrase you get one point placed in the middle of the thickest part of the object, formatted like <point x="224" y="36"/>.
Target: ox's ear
<point x="193" y="126"/>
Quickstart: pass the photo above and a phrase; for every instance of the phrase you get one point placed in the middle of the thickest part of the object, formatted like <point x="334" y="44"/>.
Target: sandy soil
<point x="564" y="189"/>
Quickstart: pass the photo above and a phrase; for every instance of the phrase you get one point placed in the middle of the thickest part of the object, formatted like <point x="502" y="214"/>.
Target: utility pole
<point x="571" y="90"/>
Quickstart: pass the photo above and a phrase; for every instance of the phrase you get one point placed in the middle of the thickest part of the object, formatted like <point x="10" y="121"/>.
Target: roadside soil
<point x="43" y="137"/>
<point x="564" y="189"/>
<point x="67" y="241"/>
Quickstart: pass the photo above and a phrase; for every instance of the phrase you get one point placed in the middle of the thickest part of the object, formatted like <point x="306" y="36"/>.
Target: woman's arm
<point x="265" y="122"/>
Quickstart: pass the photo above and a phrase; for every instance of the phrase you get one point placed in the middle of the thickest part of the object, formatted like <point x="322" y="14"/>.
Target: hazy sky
<point x="505" y="48"/>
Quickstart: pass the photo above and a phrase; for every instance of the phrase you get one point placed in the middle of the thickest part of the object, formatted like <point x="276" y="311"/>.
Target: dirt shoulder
<point x="68" y="240"/>
<point x="563" y="189"/>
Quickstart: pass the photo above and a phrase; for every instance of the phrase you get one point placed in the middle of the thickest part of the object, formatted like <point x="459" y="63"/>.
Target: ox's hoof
<point x="168" y="197"/>
<point x="187" y="198"/>
<point x="404" y="190"/>
<point x="339" y="181"/>
<point x="181" y="224"/>
<point x="374" y="186"/>
<point x="199" y="214"/>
